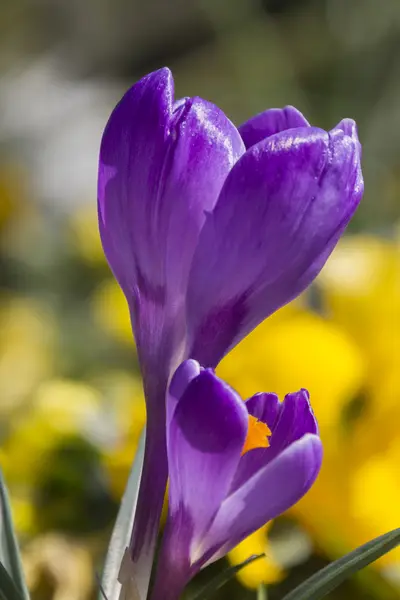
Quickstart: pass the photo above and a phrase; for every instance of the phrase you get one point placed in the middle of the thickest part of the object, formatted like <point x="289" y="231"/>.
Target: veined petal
<point x="269" y="122"/>
<point x="204" y="441"/>
<point x="162" y="166"/>
<point x="289" y="421"/>
<point x="132" y="154"/>
<point x="206" y="148"/>
<point x="349" y="127"/>
<point x="296" y="418"/>
<point x="265" y="407"/>
<point x="269" y="493"/>
<point x="280" y="213"/>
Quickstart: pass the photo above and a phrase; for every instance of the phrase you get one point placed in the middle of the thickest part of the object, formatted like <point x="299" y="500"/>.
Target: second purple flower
<point x="233" y="466"/>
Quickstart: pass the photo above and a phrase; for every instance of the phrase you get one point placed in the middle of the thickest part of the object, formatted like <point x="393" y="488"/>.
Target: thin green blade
<point x="122" y="529"/>
<point x="326" y="580"/>
<point x="8" y="589"/>
<point x="9" y="550"/>
<point x="223" y="578"/>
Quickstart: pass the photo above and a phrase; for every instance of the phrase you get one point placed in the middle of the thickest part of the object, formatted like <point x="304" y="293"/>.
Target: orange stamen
<point x="257" y="435"/>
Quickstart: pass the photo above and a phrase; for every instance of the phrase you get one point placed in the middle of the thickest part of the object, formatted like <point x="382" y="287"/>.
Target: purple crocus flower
<point x="218" y="494"/>
<point x="209" y="229"/>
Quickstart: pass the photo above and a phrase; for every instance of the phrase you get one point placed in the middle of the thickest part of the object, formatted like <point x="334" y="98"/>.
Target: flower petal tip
<point x="349" y="128"/>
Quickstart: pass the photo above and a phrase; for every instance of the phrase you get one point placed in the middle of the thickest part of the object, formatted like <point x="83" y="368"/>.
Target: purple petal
<point x="269" y="493"/>
<point x="204" y="440"/>
<point x="349" y="127"/>
<point x="206" y="148"/>
<point x="184" y="374"/>
<point x="161" y="169"/>
<point x="295" y="420"/>
<point x="289" y="421"/>
<point x="279" y="215"/>
<point x="132" y="155"/>
<point x="174" y="568"/>
<point x="265" y="407"/>
<point x="270" y="122"/>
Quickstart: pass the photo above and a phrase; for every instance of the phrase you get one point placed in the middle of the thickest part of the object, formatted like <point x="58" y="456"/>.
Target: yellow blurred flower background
<point x="71" y="395"/>
<point x="71" y="401"/>
<point x="72" y="407"/>
<point x="347" y="355"/>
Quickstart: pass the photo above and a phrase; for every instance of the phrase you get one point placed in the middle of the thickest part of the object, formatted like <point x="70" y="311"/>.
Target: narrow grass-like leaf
<point x="328" y="578"/>
<point x="123" y="527"/>
<point x="224" y="577"/>
<point x="8" y="589"/>
<point x="9" y="550"/>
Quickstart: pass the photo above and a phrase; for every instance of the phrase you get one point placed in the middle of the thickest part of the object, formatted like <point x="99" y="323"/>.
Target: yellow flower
<point x="110" y="414"/>
<point x="111" y="311"/>
<point x="357" y="493"/>
<point x="263" y="570"/>
<point x="69" y="405"/>
<point x="375" y="496"/>
<point x="85" y="237"/>
<point x="295" y="349"/>
<point x="361" y="289"/>
<point x="60" y="408"/>
<point x="324" y="510"/>
<point x="27" y="334"/>
<point x="301" y="350"/>
<point x="23" y="514"/>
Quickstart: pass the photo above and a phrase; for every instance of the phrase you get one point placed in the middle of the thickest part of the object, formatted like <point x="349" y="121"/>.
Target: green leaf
<point x="8" y="589"/>
<point x="9" y="551"/>
<point x="262" y="592"/>
<point x="222" y="578"/>
<point x="326" y="580"/>
<point x="122" y="529"/>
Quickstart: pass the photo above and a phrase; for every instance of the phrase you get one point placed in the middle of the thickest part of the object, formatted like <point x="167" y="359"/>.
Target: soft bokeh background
<point x="71" y="405"/>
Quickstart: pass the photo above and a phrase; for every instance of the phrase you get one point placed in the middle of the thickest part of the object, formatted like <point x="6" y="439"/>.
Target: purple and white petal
<point x="269" y="122"/>
<point x="204" y="443"/>
<point x="269" y="493"/>
<point x="280" y="213"/>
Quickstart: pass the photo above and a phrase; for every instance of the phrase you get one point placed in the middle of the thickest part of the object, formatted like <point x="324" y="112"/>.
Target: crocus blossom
<point x="233" y="466"/>
<point x="208" y="230"/>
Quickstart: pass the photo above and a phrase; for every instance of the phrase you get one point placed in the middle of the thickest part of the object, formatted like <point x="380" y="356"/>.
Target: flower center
<point x="257" y="435"/>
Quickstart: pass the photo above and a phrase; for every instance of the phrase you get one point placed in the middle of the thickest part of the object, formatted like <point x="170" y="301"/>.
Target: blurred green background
<point x="71" y="406"/>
